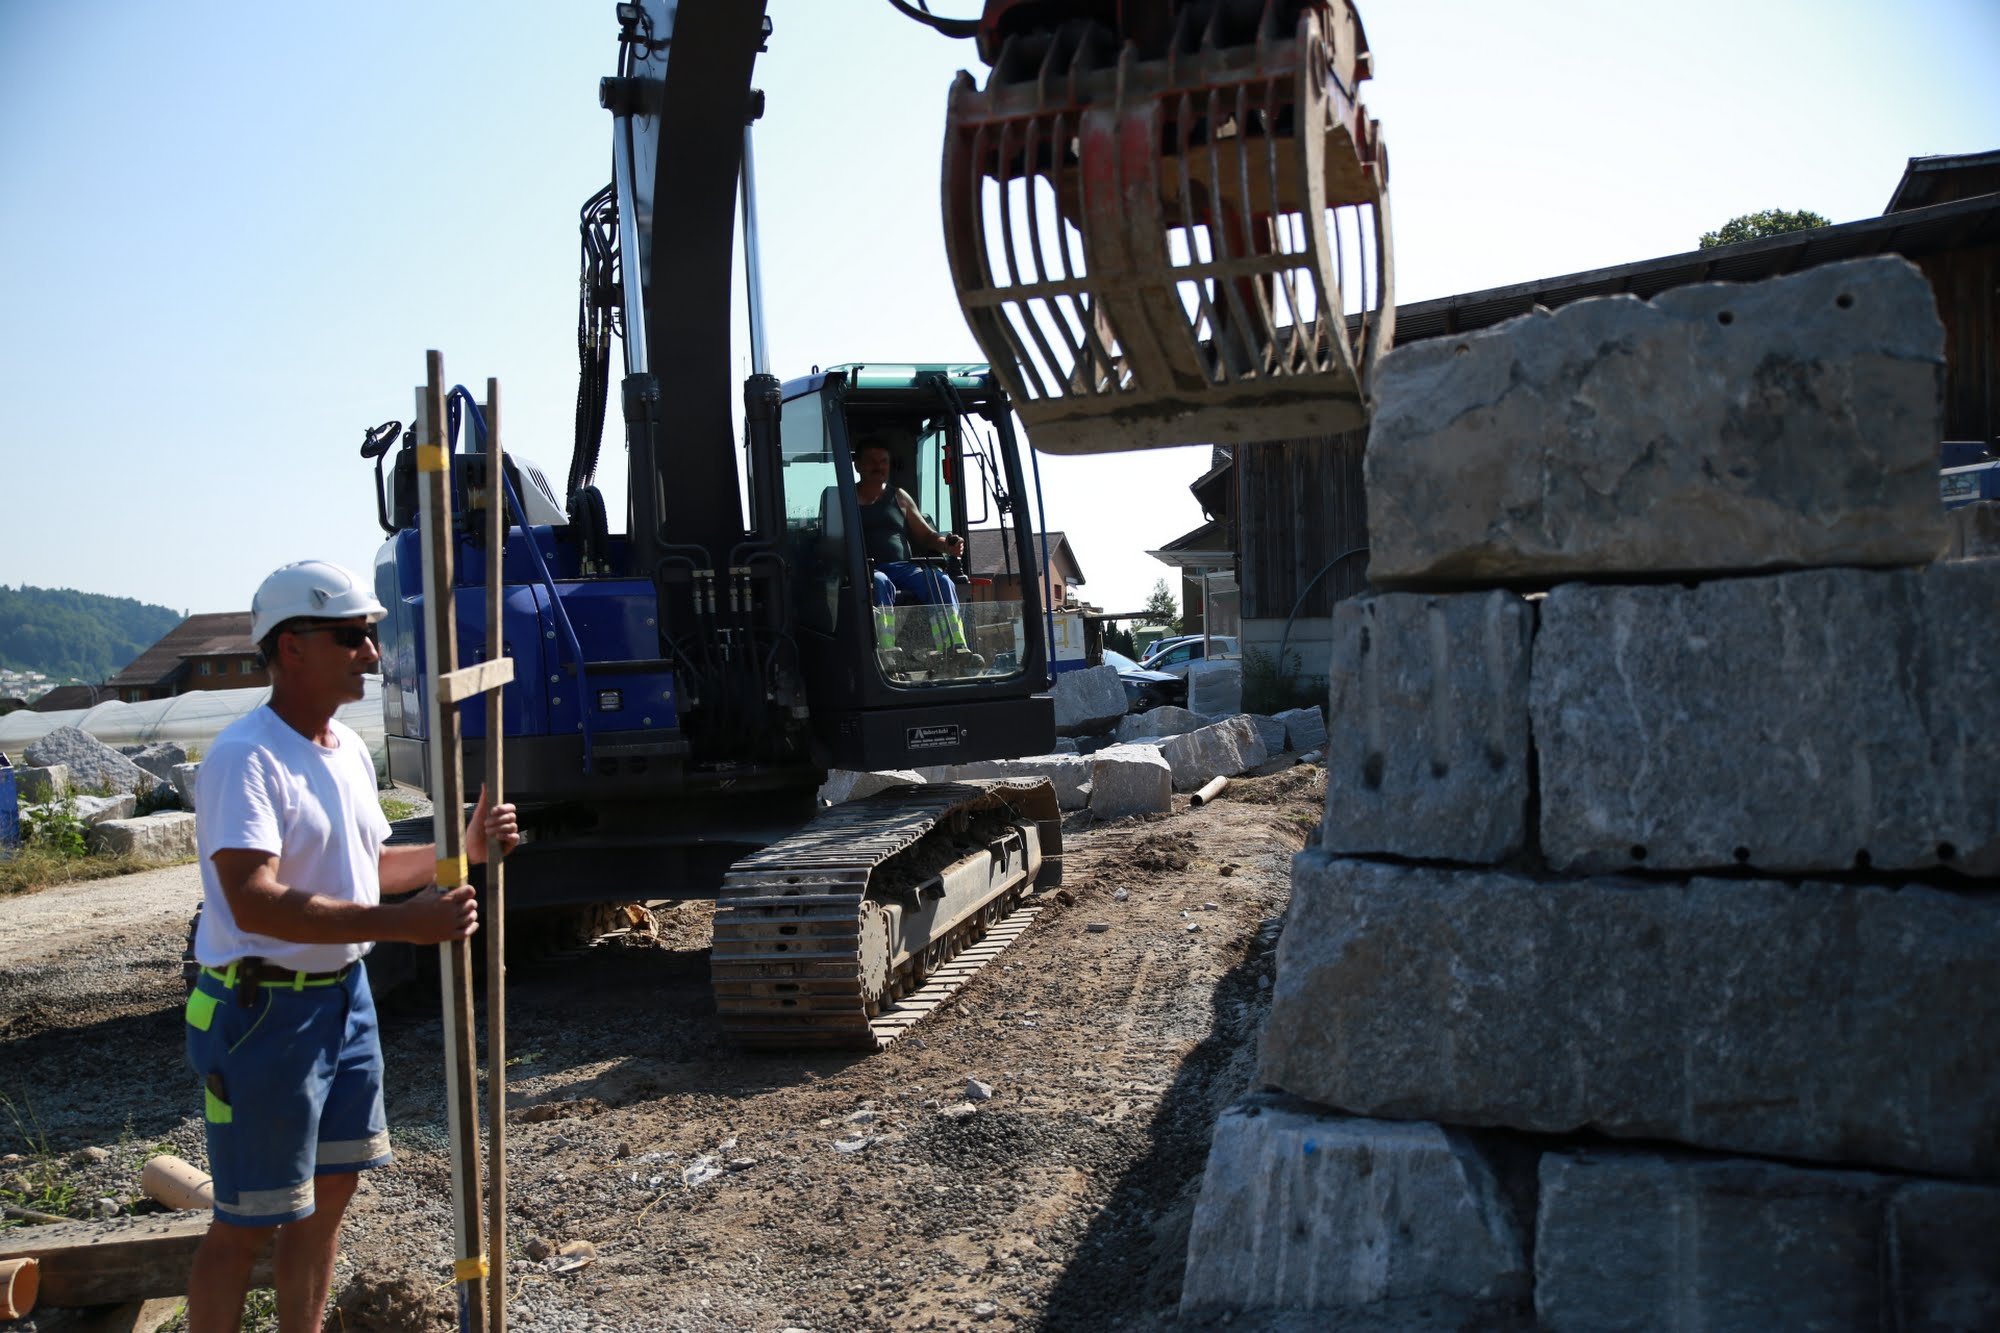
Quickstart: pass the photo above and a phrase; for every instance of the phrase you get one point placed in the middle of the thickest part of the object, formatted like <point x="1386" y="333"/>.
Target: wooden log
<point x="126" y="1317"/>
<point x="122" y="1259"/>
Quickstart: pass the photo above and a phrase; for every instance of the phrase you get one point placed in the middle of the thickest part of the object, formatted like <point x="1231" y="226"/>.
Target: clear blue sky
<point x="228" y="232"/>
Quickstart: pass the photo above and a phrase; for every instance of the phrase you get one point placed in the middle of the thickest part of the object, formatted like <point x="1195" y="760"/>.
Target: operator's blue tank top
<point x="885" y="530"/>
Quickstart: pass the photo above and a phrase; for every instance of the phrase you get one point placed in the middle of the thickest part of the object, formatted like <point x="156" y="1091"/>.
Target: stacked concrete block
<point x="1677" y="888"/>
<point x="1625" y="1236"/>
<point x="1430" y="757"/>
<point x="1716" y="429"/>
<point x="1795" y="1020"/>
<point x="1830" y="719"/>
<point x="1305" y="1212"/>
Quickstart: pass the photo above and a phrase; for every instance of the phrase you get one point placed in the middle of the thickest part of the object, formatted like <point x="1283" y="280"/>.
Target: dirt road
<point x="724" y="1191"/>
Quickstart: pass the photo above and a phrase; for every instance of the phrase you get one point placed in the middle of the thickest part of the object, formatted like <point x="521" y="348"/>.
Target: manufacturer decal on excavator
<point x="933" y="738"/>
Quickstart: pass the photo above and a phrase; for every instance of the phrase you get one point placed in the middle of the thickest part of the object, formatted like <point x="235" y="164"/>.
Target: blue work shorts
<point x="292" y="1089"/>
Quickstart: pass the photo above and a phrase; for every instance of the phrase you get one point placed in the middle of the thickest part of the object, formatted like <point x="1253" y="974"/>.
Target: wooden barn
<point x="1293" y="514"/>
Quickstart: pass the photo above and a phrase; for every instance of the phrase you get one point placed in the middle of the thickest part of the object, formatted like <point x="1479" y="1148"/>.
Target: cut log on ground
<point x="123" y="1259"/>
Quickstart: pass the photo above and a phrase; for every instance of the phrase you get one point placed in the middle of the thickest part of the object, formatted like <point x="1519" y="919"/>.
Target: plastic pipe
<point x="1212" y="789"/>
<point x="168" y="1180"/>
<point x="20" y="1281"/>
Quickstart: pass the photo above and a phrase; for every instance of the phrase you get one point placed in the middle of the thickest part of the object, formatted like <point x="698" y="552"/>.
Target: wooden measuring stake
<point x="496" y="874"/>
<point x="448" y="809"/>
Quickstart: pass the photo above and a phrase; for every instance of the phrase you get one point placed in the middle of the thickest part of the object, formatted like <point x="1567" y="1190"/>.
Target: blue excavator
<point x="1167" y="224"/>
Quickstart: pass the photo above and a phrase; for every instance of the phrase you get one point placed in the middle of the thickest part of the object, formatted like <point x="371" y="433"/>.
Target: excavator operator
<point x="891" y="526"/>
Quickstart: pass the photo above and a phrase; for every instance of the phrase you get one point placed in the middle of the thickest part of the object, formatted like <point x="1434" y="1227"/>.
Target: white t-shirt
<point x="265" y="788"/>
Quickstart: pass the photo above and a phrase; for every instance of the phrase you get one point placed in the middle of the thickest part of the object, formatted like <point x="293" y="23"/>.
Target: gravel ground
<point x="722" y="1191"/>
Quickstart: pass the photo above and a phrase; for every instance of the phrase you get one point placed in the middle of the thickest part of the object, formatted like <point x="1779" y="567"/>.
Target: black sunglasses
<point x="347" y="636"/>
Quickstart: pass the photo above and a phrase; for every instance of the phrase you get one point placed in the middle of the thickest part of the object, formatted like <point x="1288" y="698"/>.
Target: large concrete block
<point x="1623" y="1238"/>
<point x="1820" y="720"/>
<point x="1155" y="723"/>
<point x="157" y="758"/>
<point x="1305" y="1210"/>
<point x="1127" y="780"/>
<point x="1270" y="731"/>
<point x="46" y="783"/>
<point x="1215" y="687"/>
<point x="1718" y="427"/>
<point x="1974" y="530"/>
<point x="184" y="783"/>
<point x="1428" y="754"/>
<point x="1830" y="1022"/>
<point x="1220" y="750"/>
<point x="97" y="809"/>
<point x="165" y="836"/>
<point x="845" y="784"/>
<point x="1305" y="729"/>
<point x="93" y="765"/>
<point x="1069" y="774"/>
<point x="1088" y="702"/>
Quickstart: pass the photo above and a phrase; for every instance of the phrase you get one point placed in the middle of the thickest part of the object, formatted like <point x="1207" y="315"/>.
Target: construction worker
<point x="280" y="1024"/>
<point x="891" y="526"/>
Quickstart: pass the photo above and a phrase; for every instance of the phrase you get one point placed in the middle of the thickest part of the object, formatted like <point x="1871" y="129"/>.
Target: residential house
<point x="1206" y="556"/>
<point x="997" y="577"/>
<point x="212" y="651"/>
<point x="66" y="698"/>
<point x="1293" y="513"/>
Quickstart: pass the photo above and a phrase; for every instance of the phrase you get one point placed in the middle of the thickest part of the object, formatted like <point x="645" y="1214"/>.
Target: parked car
<point x="1146" y="689"/>
<point x="1175" y="655"/>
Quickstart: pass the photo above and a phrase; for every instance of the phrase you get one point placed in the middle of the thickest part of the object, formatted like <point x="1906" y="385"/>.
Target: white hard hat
<point x="319" y="589"/>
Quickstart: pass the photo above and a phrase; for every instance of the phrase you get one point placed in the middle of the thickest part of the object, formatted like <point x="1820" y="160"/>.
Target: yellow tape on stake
<point x="432" y="458"/>
<point x="451" y="871"/>
<point x="469" y="1270"/>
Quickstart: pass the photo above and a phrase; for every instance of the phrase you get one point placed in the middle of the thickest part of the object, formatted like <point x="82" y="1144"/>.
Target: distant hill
<point x="62" y="633"/>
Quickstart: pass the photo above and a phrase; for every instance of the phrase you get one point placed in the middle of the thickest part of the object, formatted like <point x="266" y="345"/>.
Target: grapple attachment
<point x="1177" y="233"/>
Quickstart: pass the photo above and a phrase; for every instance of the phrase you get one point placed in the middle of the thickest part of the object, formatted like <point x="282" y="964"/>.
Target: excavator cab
<point x="910" y="659"/>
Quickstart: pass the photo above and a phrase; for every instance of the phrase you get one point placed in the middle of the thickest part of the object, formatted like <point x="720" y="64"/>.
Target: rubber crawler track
<point x="805" y="939"/>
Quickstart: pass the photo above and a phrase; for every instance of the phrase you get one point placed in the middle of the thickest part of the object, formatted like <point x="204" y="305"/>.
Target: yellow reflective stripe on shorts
<point x="215" y="1109"/>
<point x="201" y="1008"/>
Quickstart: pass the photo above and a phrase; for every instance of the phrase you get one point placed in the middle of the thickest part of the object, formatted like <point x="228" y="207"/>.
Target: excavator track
<point x="847" y="932"/>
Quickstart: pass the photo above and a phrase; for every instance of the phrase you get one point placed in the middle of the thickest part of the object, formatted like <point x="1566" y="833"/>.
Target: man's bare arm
<point x="264" y="906"/>
<point x="920" y="529"/>
<point x="404" y="868"/>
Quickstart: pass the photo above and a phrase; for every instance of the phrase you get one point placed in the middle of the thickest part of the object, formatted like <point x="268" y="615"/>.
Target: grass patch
<point x="395" y="807"/>
<point x="31" y="868"/>
<point x="42" y="1185"/>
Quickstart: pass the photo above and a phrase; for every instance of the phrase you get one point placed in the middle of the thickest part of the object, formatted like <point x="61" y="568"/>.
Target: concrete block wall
<point x="1655" y="917"/>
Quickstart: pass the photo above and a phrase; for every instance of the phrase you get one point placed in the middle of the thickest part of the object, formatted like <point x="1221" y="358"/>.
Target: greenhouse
<point x="191" y="721"/>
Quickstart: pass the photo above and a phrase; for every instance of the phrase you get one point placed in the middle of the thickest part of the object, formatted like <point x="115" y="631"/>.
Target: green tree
<point x="1755" y="226"/>
<point x="1162" y="609"/>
